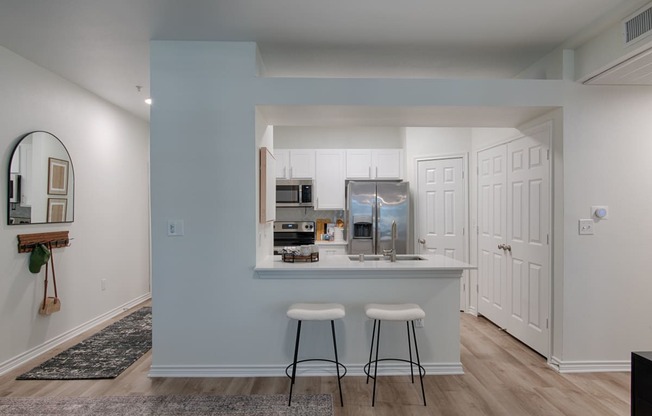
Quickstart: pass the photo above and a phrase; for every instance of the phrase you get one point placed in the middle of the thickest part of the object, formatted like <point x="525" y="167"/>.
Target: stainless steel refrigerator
<point x="372" y="206"/>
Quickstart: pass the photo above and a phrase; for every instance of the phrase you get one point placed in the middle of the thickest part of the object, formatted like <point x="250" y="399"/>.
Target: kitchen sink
<point x="376" y="257"/>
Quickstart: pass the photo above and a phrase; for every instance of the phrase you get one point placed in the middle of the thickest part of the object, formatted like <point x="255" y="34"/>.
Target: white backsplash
<point x="308" y="214"/>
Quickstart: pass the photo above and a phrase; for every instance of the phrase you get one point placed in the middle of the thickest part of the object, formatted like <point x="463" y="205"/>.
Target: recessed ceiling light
<point x="148" y="101"/>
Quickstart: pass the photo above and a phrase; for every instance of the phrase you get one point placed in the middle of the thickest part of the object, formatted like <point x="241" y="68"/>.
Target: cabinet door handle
<point x="508" y="247"/>
<point x="501" y="246"/>
<point x="370" y="172"/>
<point x="290" y="172"/>
<point x="422" y="240"/>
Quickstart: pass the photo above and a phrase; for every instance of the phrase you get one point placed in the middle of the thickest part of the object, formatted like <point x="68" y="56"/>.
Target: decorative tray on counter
<point x="293" y="258"/>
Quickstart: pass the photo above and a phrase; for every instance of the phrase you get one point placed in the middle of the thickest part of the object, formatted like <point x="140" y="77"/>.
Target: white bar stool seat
<point x="408" y="312"/>
<point x="315" y="312"/>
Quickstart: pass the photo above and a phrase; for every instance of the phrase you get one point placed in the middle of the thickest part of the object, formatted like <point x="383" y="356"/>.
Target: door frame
<point x="548" y="126"/>
<point x="466" y="280"/>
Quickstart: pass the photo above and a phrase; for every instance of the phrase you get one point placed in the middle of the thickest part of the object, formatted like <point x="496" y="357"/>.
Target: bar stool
<point x="407" y="312"/>
<point x="315" y="312"/>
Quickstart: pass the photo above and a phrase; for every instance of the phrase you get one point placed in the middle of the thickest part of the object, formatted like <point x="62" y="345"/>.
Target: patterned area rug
<point x="256" y="405"/>
<point x="105" y="354"/>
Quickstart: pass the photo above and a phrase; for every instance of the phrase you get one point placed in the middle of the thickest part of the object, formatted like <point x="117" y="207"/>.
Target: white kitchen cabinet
<point x="386" y="163"/>
<point x="374" y="164"/>
<point x="332" y="249"/>
<point x="295" y="164"/>
<point x="329" y="179"/>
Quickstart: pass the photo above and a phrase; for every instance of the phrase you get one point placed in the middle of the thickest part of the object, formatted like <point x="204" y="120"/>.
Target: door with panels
<point x="441" y="211"/>
<point x="492" y="234"/>
<point x="514" y="202"/>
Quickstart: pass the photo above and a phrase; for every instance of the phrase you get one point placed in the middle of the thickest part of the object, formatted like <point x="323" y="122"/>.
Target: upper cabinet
<point x="295" y="164"/>
<point x="329" y="179"/>
<point x="374" y="164"/>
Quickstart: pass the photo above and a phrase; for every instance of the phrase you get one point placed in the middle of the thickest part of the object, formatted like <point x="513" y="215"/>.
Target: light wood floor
<point x="502" y="377"/>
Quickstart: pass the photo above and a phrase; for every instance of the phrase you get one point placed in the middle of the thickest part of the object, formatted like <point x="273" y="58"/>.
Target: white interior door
<point x="492" y="201"/>
<point x="514" y="228"/>
<point x="528" y="238"/>
<point x="440" y="210"/>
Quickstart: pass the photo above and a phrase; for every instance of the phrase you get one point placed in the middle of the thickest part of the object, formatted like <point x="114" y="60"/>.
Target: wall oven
<point x="293" y="193"/>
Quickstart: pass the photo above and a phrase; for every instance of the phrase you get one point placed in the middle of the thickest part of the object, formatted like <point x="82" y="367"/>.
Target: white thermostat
<point x="600" y="212"/>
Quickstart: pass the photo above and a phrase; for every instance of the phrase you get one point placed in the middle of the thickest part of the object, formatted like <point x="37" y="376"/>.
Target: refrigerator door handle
<point x="374" y="224"/>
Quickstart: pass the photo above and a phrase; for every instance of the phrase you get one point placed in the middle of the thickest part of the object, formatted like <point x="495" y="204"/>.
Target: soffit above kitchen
<point x="103" y="46"/>
<point x="425" y="116"/>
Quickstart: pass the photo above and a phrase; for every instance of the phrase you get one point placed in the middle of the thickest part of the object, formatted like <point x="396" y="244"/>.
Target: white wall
<point x="109" y="150"/>
<point x="212" y="315"/>
<point x="607" y="284"/>
<point x="320" y="137"/>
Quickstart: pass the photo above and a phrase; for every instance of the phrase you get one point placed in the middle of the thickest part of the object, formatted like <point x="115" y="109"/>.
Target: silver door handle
<point x="507" y="247"/>
<point x="422" y="241"/>
<point x="501" y="246"/>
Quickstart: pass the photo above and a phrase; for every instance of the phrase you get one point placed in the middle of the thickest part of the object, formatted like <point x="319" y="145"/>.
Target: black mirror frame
<point x="72" y="185"/>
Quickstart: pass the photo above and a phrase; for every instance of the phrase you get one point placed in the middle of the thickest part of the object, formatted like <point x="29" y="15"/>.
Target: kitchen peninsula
<point x="346" y="266"/>
<point x="433" y="282"/>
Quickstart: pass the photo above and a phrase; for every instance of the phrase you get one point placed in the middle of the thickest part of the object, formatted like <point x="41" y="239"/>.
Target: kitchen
<point x="318" y="177"/>
<point x="364" y="174"/>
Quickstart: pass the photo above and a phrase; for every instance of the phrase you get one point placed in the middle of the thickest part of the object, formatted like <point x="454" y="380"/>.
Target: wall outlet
<point x="418" y="323"/>
<point x="103" y="284"/>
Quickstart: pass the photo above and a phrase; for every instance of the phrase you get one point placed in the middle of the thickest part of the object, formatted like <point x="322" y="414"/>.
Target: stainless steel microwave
<point x="293" y="193"/>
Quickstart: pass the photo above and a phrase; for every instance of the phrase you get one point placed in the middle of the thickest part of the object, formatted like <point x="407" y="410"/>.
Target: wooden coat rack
<point x="27" y="242"/>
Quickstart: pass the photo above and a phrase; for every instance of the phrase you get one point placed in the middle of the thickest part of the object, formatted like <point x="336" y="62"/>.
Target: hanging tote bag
<point x="50" y="304"/>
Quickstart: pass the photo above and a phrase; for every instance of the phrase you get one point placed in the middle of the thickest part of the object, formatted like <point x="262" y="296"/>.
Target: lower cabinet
<point x="329" y="249"/>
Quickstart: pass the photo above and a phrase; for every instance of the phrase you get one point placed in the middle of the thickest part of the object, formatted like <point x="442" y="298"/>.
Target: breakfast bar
<point x="371" y="266"/>
<point x="428" y="280"/>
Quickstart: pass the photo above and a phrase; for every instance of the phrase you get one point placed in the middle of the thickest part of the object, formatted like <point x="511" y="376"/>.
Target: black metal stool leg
<point x="407" y="325"/>
<point x="294" y="363"/>
<point x="416" y="349"/>
<point x="337" y="362"/>
<point x="373" y="398"/>
<point x="371" y="350"/>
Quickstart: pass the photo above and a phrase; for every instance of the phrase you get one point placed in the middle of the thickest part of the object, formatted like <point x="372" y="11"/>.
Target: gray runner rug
<point x="105" y="354"/>
<point x="254" y="405"/>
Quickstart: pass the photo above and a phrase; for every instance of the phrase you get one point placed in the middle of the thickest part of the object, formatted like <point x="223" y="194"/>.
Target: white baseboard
<point x="20" y="359"/>
<point x="590" y="366"/>
<point x="305" y="369"/>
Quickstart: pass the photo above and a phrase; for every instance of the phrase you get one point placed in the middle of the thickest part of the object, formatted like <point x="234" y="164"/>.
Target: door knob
<point x="422" y="240"/>
<point x="501" y="246"/>
<point x="508" y="247"/>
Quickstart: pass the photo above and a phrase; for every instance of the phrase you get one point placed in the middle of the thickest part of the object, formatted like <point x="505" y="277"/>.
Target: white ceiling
<point x="103" y="45"/>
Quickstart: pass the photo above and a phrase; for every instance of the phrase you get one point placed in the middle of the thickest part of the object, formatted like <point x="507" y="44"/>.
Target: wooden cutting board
<point x="320" y="226"/>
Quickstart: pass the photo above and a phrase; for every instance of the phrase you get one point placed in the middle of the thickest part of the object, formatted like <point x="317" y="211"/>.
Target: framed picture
<point x="57" y="208"/>
<point x="57" y="176"/>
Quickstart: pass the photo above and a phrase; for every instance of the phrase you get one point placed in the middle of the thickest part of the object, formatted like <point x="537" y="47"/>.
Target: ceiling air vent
<point x="638" y="25"/>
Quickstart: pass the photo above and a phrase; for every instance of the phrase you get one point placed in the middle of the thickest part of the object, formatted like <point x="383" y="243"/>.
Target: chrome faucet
<point x="392" y="253"/>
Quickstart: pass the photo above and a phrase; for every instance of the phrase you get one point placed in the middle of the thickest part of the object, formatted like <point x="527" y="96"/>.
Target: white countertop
<point x="340" y="266"/>
<point x="330" y="243"/>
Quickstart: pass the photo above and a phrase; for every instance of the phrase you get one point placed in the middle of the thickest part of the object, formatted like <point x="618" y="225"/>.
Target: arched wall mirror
<point x="41" y="181"/>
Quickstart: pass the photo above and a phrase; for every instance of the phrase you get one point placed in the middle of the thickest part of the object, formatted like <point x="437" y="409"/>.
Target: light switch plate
<point x="175" y="228"/>
<point x="586" y="227"/>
